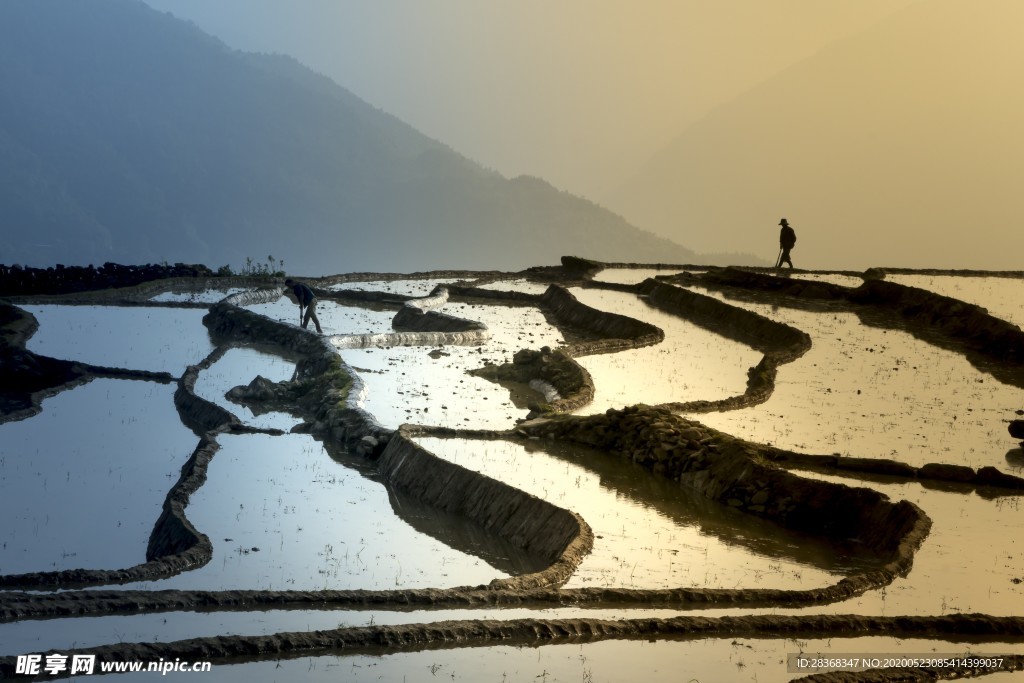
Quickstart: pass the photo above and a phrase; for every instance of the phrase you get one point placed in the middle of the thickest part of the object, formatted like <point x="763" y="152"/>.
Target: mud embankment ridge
<point x="737" y="474"/>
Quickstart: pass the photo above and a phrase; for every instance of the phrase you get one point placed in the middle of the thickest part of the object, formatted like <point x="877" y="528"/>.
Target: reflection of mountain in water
<point x="686" y="509"/>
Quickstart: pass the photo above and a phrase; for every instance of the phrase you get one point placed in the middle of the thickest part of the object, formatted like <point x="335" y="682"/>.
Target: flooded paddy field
<point x="285" y="516"/>
<point x="415" y="288"/>
<point x="299" y="512"/>
<point x="899" y="397"/>
<point x="841" y="279"/>
<point x="334" y="318"/>
<point x="1002" y="296"/>
<point x="202" y="296"/>
<point x="239" y="366"/>
<point x="632" y="276"/>
<point x="647" y="535"/>
<point x="662" y="661"/>
<point x="516" y="285"/>
<point x="691" y="364"/>
<point x="57" y="471"/>
<point x="971" y="562"/>
<point x="136" y="338"/>
<point x="430" y="385"/>
<point x="409" y="385"/>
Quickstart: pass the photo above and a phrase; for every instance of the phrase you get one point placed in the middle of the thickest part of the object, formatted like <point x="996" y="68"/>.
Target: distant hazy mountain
<point x="130" y="136"/>
<point x="900" y="146"/>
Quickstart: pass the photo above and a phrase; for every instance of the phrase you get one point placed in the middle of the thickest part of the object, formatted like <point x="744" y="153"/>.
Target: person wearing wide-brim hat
<point x="787" y="240"/>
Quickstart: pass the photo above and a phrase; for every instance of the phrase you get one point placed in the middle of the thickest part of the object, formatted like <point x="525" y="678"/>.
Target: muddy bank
<point x="739" y="475"/>
<point x="26" y="378"/>
<point x="417" y="315"/>
<point x="969" y="326"/>
<point x="321" y="395"/>
<point x="537" y="632"/>
<point x="968" y="478"/>
<point x="560" y="536"/>
<point x="601" y="332"/>
<point x="175" y="546"/>
<point x="780" y="343"/>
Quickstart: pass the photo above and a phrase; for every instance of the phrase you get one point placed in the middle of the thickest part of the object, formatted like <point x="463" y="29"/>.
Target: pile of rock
<point x="554" y="368"/>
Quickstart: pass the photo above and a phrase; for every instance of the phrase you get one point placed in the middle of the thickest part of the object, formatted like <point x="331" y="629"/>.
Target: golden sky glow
<point x="585" y="93"/>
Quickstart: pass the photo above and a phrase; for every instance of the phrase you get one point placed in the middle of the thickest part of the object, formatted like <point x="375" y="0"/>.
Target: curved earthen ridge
<point x="739" y="474"/>
<point x="780" y="343"/>
<point x="175" y="546"/>
<point x="608" y="331"/>
<point x="559" y="536"/>
<point x="535" y="632"/>
<point x="15" y="606"/>
<point x="26" y="378"/>
<point x="542" y="529"/>
<point x="985" y="479"/>
<point x="968" y="325"/>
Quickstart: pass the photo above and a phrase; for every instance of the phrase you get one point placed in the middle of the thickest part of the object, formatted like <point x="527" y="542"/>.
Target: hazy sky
<point x="882" y="128"/>
<point x="579" y="92"/>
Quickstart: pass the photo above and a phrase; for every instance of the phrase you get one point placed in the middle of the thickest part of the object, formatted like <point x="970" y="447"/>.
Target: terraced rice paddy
<point x="84" y="481"/>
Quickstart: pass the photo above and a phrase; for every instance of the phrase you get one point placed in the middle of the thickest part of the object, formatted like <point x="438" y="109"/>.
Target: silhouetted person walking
<point x="787" y="240"/>
<point x="307" y="300"/>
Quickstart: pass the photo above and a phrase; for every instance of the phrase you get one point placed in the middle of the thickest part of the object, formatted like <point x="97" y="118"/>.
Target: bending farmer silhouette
<point x="787" y="240"/>
<point x="307" y="300"/>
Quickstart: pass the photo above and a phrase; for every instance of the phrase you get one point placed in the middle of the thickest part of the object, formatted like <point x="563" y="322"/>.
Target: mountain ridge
<point x="128" y="135"/>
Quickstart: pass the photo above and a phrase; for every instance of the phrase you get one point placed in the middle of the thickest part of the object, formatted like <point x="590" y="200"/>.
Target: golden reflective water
<point x="691" y="364"/>
<point x="860" y="390"/>
<point x="877" y="393"/>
